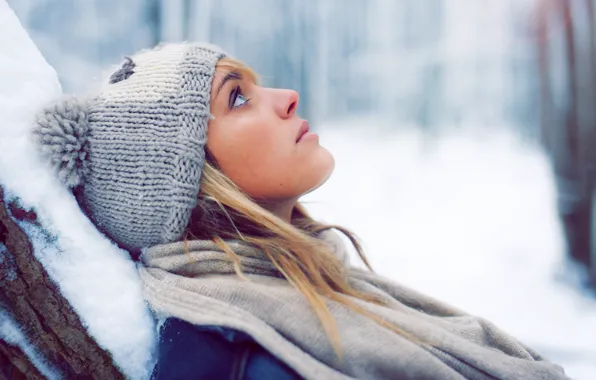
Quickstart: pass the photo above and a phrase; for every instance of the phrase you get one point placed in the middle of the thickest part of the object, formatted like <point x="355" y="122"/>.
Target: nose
<point x="286" y="102"/>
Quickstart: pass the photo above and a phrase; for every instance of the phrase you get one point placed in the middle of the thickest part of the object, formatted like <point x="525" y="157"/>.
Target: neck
<point x="282" y="209"/>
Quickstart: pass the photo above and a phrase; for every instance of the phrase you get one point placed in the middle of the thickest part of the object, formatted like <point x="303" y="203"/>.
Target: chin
<point x="330" y="161"/>
<point x="322" y="169"/>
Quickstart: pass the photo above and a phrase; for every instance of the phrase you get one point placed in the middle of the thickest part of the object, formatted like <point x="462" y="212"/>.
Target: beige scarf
<point x="202" y="288"/>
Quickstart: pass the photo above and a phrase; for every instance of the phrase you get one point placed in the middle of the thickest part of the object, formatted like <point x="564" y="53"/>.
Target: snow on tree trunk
<point x="48" y="320"/>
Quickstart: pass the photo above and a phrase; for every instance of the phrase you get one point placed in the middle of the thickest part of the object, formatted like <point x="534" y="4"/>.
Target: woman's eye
<point x="240" y="101"/>
<point x="236" y="98"/>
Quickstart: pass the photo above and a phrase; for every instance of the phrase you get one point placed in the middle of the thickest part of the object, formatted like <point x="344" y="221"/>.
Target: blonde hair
<point x="224" y="212"/>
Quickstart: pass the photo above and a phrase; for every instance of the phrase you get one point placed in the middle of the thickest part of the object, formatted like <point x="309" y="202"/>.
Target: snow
<point x="468" y="218"/>
<point x="96" y="277"/>
<point x="11" y="333"/>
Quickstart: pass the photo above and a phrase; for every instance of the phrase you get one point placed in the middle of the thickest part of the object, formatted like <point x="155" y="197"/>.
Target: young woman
<point x="182" y="158"/>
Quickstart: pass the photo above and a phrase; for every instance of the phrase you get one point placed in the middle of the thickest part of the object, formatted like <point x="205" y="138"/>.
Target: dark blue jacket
<point x="187" y="351"/>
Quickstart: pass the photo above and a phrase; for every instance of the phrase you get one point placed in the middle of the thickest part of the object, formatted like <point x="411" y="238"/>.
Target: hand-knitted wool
<point x="197" y="282"/>
<point x="136" y="149"/>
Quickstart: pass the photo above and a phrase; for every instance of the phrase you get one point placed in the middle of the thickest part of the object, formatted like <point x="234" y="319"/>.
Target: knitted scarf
<point x="198" y="284"/>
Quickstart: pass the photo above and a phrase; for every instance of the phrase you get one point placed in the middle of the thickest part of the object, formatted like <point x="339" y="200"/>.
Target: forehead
<point x="227" y="73"/>
<point x="227" y="64"/>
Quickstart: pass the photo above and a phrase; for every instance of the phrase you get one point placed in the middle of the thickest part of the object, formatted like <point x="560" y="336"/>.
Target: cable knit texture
<point x="136" y="148"/>
<point x="201" y="287"/>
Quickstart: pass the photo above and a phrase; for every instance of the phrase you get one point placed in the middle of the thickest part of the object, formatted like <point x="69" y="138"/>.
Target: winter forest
<point x="412" y="62"/>
<point x="463" y="133"/>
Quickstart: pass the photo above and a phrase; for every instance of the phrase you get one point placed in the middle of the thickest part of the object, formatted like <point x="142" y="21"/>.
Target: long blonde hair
<point x="225" y="212"/>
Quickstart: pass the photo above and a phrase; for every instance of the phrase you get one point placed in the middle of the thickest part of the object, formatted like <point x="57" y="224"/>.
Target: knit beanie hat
<point x="135" y="149"/>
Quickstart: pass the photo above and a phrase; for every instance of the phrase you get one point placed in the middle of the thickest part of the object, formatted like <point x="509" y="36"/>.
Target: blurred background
<point x="463" y="132"/>
<point x="414" y="61"/>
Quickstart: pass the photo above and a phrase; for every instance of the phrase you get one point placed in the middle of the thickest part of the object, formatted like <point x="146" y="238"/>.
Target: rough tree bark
<point x="14" y="364"/>
<point x="45" y="316"/>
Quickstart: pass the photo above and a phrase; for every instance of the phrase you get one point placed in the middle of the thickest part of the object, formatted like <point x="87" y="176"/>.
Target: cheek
<point x="252" y="151"/>
<point x="260" y="156"/>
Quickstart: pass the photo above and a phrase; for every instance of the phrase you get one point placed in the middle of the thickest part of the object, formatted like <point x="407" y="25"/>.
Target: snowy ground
<point x="468" y="219"/>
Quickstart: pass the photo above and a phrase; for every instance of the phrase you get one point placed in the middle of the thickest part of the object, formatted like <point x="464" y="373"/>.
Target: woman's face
<point x="255" y="138"/>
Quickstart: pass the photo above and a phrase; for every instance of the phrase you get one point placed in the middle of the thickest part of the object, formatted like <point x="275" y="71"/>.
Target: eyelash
<point x="234" y="95"/>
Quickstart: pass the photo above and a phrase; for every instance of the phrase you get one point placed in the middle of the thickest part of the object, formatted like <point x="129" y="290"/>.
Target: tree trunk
<point x="45" y="316"/>
<point x="572" y="117"/>
<point x="14" y="364"/>
<point x="546" y="107"/>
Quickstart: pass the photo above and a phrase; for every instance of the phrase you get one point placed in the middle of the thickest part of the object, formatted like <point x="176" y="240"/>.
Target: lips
<point x="304" y="128"/>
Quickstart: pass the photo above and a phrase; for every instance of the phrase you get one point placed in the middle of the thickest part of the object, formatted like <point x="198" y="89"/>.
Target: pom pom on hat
<point x="61" y="132"/>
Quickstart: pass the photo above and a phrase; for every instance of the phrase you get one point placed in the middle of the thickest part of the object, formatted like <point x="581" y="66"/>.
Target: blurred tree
<point x="567" y="61"/>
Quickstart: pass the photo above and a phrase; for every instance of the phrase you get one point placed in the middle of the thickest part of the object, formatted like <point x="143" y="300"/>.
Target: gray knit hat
<point x="136" y="148"/>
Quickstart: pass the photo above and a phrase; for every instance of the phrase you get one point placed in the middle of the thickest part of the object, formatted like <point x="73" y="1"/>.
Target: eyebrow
<point x="231" y="75"/>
